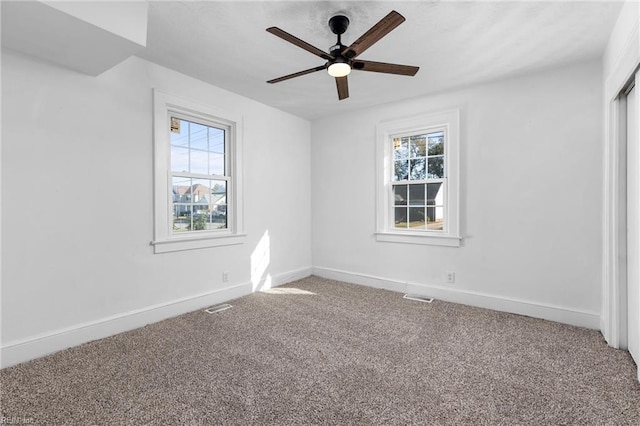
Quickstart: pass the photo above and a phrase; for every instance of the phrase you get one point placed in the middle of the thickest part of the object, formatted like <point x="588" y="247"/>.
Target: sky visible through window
<point x="197" y="149"/>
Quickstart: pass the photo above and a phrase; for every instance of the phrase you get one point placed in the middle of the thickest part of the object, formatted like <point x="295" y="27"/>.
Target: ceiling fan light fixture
<point x="341" y="59"/>
<point x="339" y="69"/>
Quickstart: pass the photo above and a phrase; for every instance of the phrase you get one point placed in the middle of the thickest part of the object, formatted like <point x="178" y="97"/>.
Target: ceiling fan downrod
<point x="339" y="66"/>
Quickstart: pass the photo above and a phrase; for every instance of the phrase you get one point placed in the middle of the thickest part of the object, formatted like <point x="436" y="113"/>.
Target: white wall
<point x="621" y="37"/>
<point x="77" y="205"/>
<point x="530" y="205"/>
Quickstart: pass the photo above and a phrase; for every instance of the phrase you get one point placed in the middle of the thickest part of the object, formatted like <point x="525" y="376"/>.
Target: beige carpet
<point x="320" y="351"/>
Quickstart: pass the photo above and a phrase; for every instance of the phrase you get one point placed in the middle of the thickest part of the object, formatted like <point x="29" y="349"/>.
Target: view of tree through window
<point x="418" y="177"/>
<point x="199" y="176"/>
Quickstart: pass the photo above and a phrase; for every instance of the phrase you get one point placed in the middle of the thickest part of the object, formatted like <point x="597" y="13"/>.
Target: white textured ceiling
<point x="454" y="43"/>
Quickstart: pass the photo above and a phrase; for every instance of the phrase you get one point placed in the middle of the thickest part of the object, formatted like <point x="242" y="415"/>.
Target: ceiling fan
<point x="341" y="59"/>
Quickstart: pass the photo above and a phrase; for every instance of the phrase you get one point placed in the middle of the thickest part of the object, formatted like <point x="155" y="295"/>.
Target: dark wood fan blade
<point x="343" y="87"/>
<point x="300" y="43"/>
<point x="297" y="74"/>
<point x="375" y="33"/>
<point x="385" y="67"/>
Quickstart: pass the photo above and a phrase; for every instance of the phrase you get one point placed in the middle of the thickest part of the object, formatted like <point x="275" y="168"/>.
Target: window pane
<point x="418" y="167"/>
<point x="182" y="204"/>
<point x="400" y="195"/>
<point x="400" y="148"/>
<point x="199" y="162"/>
<point x="401" y="170"/>
<point x="181" y="138"/>
<point x="179" y="159"/>
<point x="198" y="137"/>
<point x="216" y="164"/>
<point x="416" y="217"/>
<point x="218" y="204"/>
<point x="418" y="146"/>
<point x="436" y="167"/>
<point x="416" y="194"/>
<point x="436" y="143"/>
<point x="435" y="194"/>
<point x="200" y="195"/>
<point x="180" y="189"/>
<point x="400" y="217"/>
<point x="435" y="218"/>
<point x="199" y="149"/>
<point x="181" y="217"/>
<point x="200" y="221"/>
<point x="216" y="140"/>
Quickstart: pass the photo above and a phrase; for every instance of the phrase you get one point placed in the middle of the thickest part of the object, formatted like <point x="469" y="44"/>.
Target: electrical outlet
<point x="225" y="277"/>
<point x="451" y="277"/>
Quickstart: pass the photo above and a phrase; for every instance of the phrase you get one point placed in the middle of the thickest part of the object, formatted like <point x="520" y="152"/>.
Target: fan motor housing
<point x="336" y="50"/>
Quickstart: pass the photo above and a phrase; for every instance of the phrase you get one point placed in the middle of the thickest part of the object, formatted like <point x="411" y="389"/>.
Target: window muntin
<point x="199" y="182"/>
<point x="418" y="180"/>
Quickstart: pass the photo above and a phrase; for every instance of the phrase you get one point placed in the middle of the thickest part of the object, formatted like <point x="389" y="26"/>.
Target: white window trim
<point x="164" y="240"/>
<point x="450" y="120"/>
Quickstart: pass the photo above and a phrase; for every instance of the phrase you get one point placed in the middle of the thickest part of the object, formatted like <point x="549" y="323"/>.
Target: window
<point x="199" y="175"/>
<point x="418" y="180"/>
<point x="197" y="178"/>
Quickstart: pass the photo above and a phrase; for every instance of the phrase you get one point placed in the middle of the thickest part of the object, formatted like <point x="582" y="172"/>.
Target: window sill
<point x="418" y="238"/>
<point x="196" y="242"/>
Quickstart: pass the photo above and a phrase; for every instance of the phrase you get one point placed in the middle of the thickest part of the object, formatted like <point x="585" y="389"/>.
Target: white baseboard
<point x="498" y="303"/>
<point x="37" y="346"/>
<point x="40" y="345"/>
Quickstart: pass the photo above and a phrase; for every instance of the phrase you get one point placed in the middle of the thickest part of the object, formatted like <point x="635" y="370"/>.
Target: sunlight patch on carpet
<point x="286" y="290"/>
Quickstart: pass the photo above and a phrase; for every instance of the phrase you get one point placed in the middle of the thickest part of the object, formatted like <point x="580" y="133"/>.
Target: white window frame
<point x="449" y="121"/>
<point x="165" y="240"/>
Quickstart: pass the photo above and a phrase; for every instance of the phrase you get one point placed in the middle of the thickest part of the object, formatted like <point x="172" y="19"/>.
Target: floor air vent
<point x="218" y="308"/>
<point x="418" y="298"/>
